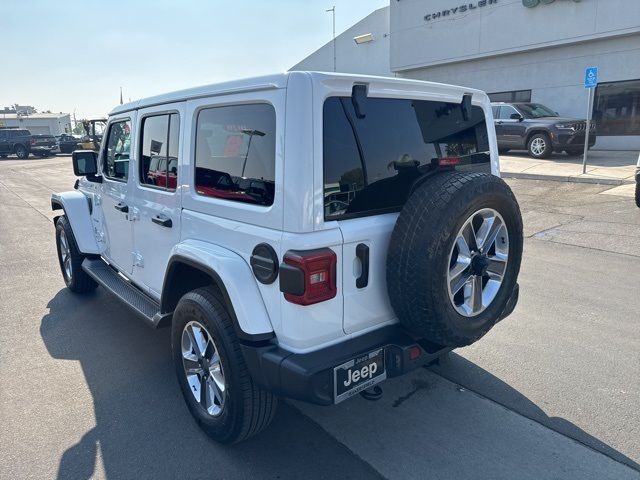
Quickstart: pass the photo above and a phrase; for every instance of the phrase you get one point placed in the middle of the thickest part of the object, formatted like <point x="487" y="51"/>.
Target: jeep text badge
<point x="358" y="374"/>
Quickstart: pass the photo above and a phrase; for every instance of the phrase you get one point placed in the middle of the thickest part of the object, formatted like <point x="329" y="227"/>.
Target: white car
<point x="316" y="234"/>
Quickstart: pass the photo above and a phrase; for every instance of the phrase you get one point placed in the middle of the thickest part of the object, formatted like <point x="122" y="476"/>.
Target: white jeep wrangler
<point x="304" y="235"/>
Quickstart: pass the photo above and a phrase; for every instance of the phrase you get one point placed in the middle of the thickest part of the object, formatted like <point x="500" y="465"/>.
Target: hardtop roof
<point x="276" y="81"/>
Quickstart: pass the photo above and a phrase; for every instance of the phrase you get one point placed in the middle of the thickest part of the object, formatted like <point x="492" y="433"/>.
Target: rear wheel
<point x="21" y="152"/>
<point x="539" y="146"/>
<point x="70" y="259"/>
<point x="638" y="194"/>
<point x="213" y="376"/>
<point x="454" y="257"/>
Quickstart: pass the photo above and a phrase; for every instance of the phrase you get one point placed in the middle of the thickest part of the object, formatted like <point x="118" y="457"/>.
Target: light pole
<point x="333" y="12"/>
<point x="251" y="133"/>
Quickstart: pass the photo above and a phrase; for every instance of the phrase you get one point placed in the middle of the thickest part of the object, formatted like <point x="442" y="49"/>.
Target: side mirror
<point x="85" y="163"/>
<point x="516" y="116"/>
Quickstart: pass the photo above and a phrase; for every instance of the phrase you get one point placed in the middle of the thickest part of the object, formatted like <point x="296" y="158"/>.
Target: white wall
<point x="500" y="27"/>
<point x="369" y="58"/>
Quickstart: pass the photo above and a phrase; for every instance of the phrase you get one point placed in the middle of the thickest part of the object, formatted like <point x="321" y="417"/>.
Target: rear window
<point x="371" y="163"/>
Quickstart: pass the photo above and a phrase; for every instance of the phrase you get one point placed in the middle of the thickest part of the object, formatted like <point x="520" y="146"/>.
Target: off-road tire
<point x="419" y="251"/>
<point x="78" y="281"/>
<point x="247" y="409"/>
<point x="21" y="152"/>
<point x="548" y="149"/>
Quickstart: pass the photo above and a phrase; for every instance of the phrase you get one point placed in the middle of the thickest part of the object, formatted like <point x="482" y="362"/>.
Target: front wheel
<point x="70" y="259"/>
<point x="539" y="146"/>
<point x="21" y="152"/>
<point x="212" y="374"/>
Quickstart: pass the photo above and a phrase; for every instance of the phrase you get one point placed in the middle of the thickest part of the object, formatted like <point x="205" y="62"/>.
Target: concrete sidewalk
<point x="603" y="167"/>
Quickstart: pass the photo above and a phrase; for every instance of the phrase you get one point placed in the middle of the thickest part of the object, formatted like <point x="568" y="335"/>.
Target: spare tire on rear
<point x="454" y="257"/>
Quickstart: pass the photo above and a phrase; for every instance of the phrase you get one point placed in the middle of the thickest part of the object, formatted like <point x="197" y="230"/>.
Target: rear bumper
<point x="310" y="376"/>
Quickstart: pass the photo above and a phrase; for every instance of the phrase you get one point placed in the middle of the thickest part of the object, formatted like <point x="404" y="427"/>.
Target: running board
<point x="139" y="302"/>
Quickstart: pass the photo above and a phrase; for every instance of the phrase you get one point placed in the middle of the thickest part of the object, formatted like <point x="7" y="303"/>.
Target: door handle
<point x="162" y="221"/>
<point x="362" y="252"/>
<point x="499" y="123"/>
<point x="121" y="207"/>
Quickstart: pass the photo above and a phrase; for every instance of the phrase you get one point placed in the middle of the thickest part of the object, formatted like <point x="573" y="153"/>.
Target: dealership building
<point x="515" y="50"/>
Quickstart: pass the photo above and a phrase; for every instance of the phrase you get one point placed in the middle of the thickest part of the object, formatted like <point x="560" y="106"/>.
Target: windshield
<point x="536" y="110"/>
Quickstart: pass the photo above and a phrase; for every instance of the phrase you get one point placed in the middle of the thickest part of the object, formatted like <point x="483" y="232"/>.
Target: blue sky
<point x="66" y="55"/>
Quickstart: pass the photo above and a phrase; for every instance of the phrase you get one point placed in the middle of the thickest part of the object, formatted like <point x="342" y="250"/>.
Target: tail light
<point x="308" y="277"/>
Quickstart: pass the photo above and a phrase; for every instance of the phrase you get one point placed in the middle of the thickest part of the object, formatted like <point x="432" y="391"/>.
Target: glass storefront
<point x="616" y="109"/>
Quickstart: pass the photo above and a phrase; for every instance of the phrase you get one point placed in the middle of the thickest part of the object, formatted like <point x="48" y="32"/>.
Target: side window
<point x="495" y="111"/>
<point x="159" y="151"/>
<point x="116" y="158"/>
<point x="236" y="153"/>
<point x="506" y="112"/>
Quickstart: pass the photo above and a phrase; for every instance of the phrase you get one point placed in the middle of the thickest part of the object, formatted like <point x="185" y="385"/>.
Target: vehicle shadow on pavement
<point x="142" y="426"/>
<point x="469" y="375"/>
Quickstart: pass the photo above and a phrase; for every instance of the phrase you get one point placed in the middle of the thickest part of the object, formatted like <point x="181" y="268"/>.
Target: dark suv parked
<point x="539" y="130"/>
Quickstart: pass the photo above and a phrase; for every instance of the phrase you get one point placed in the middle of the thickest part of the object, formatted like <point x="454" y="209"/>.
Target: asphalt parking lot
<point x="87" y="390"/>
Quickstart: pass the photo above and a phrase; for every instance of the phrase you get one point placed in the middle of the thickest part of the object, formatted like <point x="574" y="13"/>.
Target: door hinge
<point x="99" y="235"/>
<point x="138" y="261"/>
<point x="134" y="214"/>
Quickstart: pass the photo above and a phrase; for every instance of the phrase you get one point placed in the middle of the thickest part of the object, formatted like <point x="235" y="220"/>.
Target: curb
<point x="566" y="178"/>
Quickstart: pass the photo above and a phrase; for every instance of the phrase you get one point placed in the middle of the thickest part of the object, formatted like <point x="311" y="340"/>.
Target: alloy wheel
<point x="478" y="262"/>
<point x="538" y="146"/>
<point x="203" y="369"/>
<point x="65" y="255"/>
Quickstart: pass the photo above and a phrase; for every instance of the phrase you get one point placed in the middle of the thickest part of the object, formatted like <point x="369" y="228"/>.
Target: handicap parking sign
<point x="591" y="77"/>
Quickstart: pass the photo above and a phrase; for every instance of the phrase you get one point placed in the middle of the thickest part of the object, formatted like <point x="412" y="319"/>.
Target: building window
<point x="159" y="155"/>
<point x="513" y="96"/>
<point x="616" y="109"/>
<point x="236" y="153"/>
